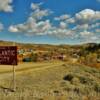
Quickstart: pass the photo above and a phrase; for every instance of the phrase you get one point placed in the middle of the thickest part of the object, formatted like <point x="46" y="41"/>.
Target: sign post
<point x="8" y="56"/>
<point x="14" y="82"/>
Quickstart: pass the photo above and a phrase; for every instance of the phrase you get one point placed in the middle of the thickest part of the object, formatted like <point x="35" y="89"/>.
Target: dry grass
<point x="51" y="81"/>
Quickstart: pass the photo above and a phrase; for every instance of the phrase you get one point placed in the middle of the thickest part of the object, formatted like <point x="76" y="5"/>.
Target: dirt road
<point x="25" y="67"/>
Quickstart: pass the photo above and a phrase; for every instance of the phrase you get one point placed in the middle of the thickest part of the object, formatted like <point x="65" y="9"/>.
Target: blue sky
<point x="50" y="21"/>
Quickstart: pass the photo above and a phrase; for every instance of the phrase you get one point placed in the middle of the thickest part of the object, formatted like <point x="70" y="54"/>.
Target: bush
<point x="97" y="88"/>
<point x="34" y="57"/>
<point x="68" y="77"/>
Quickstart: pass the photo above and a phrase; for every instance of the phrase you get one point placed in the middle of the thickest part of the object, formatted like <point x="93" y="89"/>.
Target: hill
<point x="50" y="81"/>
<point x="86" y="54"/>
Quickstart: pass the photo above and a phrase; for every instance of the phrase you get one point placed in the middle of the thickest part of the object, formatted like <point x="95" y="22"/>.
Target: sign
<point x="8" y="55"/>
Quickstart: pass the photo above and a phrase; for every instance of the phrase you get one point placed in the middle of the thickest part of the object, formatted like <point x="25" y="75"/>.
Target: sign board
<point x="8" y="55"/>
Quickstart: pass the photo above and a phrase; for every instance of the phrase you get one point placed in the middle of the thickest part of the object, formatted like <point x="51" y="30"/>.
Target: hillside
<point x="50" y="81"/>
<point x="85" y="54"/>
<point x="53" y="78"/>
<point x="30" y="45"/>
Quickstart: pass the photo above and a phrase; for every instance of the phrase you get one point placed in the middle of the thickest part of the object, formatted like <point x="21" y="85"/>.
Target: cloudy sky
<point x="50" y="21"/>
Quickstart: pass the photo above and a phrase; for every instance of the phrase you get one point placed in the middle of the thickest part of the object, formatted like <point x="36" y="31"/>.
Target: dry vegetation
<point x="51" y="81"/>
<point x="85" y="54"/>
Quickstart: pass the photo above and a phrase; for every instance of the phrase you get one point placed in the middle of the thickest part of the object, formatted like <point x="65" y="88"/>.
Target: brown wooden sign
<point x="8" y="55"/>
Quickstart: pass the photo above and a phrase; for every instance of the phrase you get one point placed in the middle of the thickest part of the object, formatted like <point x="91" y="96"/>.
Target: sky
<point x="50" y="21"/>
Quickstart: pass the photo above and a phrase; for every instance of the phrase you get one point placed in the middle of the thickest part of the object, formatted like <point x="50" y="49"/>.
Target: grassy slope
<point x="51" y="81"/>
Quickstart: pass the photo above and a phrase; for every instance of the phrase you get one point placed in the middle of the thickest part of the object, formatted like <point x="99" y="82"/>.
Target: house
<point x="61" y="57"/>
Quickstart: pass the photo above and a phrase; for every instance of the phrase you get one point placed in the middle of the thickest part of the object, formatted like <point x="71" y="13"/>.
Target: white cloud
<point x="87" y="36"/>
<point x="70" y="20"/>
<point x="35" y="6"/>
<point x="63" y="25"/>
<point x="80" y="26"/>
<point x="39" y="14"/>
<point x="61" y="33"/>
<point x="34" y="24"/>
<point x="5" y="5"/>
<point x="86" y="33"/>
<point x="87" y="15"/>
<point x="32" y="27"/>
<point x="62" y="17"/>
<point x="92" y="39"/>
<point x="13" y="29"/>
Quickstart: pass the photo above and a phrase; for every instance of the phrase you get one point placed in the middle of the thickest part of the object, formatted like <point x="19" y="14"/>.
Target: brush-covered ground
<point x="50" y="81"/>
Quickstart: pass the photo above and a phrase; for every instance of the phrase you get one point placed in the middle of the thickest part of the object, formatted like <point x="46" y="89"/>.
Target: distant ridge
<point x="48" y="46"/>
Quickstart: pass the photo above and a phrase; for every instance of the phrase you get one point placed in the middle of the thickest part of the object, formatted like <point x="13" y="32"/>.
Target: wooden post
<point x="14" y="82"/>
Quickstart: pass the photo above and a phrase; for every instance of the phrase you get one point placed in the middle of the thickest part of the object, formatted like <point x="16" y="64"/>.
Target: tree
<point x="34" y="57"/>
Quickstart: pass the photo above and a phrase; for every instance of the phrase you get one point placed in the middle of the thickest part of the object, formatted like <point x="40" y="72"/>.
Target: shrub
<point x="68" y="77"/>
<point x="34" y="57"/>
<point x="97" y="88"/>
